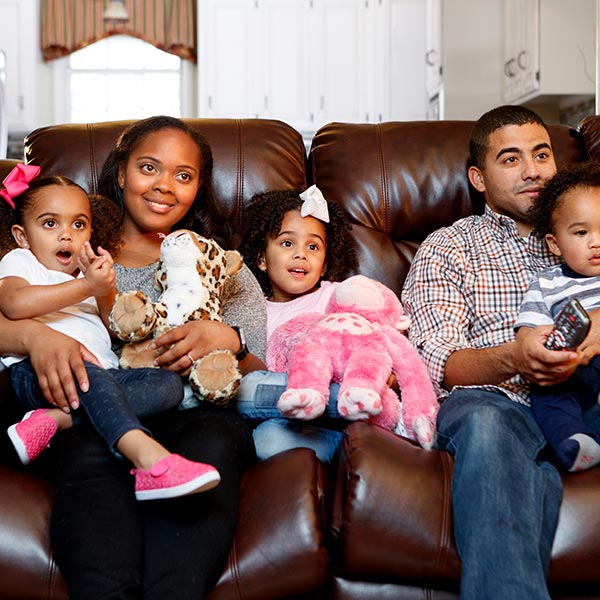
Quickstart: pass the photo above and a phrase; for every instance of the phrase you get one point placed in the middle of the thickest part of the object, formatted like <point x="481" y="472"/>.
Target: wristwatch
<point x="243" y="352"/>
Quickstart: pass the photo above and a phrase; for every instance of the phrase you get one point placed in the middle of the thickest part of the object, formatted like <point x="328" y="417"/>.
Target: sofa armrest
<point x="392" y="515"/>
<point x="279" y="546"/>
<point x="391" y="512"/>
<point x="27" y="567"/>
<point x="576" y="551"/>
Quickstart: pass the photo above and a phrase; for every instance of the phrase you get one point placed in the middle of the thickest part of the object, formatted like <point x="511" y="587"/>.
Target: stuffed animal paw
<point x="356" y="403"/>
<point x="133" y="315"/>
<point x="303" y="404"/>
<point x="424" y="431"/>
<point x="216" y="376"/>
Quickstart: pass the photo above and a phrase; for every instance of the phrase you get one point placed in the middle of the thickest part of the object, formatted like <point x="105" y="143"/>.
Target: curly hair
<point x="105" y="215"/>
<point x="263" y="218"/>
<point x="106" y="224"/>
<point x="582" y="175"/>
<point x="501" y="116"/>
<point x="206" y="216"/>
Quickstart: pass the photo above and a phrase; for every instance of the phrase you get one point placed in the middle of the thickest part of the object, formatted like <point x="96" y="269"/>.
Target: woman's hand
<point x="194" y="340"/>
<point x="57" y="360"/>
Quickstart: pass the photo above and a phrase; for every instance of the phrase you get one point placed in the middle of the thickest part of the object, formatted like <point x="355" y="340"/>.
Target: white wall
<point x="472" y="44"/>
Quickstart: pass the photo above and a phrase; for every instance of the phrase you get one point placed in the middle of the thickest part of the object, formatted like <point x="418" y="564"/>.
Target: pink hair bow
<point x="17" y="181"/>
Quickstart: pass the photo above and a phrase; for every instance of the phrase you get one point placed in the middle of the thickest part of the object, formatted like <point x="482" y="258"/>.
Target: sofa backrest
<point x="6" y="164"/>
<point x="250" y="156"/>
<point x="399" y="181"/>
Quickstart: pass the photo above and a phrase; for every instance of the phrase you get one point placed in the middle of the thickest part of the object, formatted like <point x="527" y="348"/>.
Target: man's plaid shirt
<point x="464" y="290"/>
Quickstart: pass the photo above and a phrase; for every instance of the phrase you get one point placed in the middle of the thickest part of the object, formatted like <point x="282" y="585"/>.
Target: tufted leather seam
<point x="385" y="196"/>
<point x="446" y="520"/>
<point x="92" y="157"/>
<point x="233" y="566"/>
<point x="51" y="577"/>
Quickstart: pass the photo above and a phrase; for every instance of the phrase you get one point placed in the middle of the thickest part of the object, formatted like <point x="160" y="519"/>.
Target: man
<point x="463" y="294"/>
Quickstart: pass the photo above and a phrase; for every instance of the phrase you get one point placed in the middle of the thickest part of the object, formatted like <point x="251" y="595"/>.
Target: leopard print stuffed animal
<point x="191" y="273"/>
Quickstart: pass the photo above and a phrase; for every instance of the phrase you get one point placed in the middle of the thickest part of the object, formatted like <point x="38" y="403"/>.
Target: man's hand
<point x="535" y="363"/>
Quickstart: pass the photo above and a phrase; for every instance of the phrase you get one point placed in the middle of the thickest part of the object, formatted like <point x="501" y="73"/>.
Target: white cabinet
<point x="19" y="43"/>
<point x="463" y="56"/>
<point x="286" y="42"/>
<point x="520" y="52"/>
<point x="307" y="62"/>
<point x="344" y="63"/>
<point x="227" y="58"/>
<point x="548" y="48"/>
<point x="402" y="93"/>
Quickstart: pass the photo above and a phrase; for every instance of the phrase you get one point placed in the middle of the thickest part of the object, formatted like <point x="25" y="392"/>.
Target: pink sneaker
<point x="174" y="476"/>
<point x="32" y="434"/>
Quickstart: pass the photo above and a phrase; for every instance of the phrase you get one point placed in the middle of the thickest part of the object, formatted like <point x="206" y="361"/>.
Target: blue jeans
<point x="115" y="400"/>
<point x="257" y="400"/>
<point x="505" y="497"/>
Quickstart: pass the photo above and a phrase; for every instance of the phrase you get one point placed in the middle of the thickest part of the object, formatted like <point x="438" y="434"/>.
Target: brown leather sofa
<point x="383" y="528"/>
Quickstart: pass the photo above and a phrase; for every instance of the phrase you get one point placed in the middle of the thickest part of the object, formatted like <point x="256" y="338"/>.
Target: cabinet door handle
<point x="508" y="68"/>
<point x="430" y="58"/>
<point x="522" y="60"/>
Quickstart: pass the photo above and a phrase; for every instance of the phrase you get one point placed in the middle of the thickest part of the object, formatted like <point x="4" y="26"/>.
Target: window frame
<point x="62" y="80"/>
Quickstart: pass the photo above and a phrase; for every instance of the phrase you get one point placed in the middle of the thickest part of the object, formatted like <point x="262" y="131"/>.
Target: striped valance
<point x="69" y="25"/>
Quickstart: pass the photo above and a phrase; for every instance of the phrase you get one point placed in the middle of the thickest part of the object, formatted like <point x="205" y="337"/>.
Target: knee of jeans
<point x="487" y="427"/>
<point x="176" y="382"/>
<point x="271" y="437"/>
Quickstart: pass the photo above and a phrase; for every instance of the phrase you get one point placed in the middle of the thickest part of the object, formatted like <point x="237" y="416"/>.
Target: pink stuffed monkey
<point x="358" y="343"/>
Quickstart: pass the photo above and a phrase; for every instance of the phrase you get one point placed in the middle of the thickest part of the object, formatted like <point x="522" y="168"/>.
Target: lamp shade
<point x="115" y="13"/>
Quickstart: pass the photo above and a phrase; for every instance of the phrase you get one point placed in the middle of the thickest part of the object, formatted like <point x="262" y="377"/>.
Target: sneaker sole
<point x="205" y="482"/>
<point x="16" y="440"/>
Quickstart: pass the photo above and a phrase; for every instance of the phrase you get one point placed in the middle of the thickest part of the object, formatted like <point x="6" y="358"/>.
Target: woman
<point x="108" y="545"/>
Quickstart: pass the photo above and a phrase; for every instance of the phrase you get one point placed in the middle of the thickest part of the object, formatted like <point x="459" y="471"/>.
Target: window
<point x="120" y="77"/>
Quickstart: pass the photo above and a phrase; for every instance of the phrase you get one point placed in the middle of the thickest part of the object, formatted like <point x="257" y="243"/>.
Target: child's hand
<point x="588" y="352"/>
<point x="98" y="270"/>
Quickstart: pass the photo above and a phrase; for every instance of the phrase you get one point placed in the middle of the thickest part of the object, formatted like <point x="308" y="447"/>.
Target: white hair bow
<point x="314" y="204"/>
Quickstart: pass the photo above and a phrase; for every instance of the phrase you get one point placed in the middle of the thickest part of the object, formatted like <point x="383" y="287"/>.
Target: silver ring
<point x="191" y="358"/>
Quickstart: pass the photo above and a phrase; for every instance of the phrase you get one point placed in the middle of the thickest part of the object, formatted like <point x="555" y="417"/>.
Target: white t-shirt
<point x="279" y="313"/>
<point x="80" y="321"/>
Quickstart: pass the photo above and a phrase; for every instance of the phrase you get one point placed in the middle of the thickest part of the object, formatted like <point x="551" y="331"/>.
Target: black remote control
<point x="571" y="325"/>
